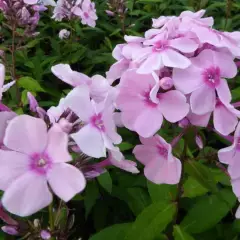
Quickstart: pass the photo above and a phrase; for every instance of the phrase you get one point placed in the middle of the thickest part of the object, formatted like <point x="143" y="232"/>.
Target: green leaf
<point x="208" y="211"/>
<point x="192" y="188"/>
<point x="124" y="146"/>
<point x="152" y="221"/>
<point x="115" y="232"/>
<point x="105" y="181"/>
<point x="179" y="234"/>
<point x="30" y="84"/>
<point x="91" y="196"/>
<point x="202" y="174"/>
<point x="162" y="192"/>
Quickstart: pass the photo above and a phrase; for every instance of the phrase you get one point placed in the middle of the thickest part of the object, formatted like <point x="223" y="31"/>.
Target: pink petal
<point x="145" y="154"/>
<point x="173" y="105"/>
<point x="174" y="59"/>
<point x="90" y="141"/>
<point x="199" y="120"/>
<point x="160" y="172"/>
<point x="204" y="60"/>
<point x="66" y="181"/>
<point x="152" y="63"/>
<point x="110" y="127"/>
<point x="27" y="195"/>
<point x="226" y="64"/>
<point x="224" y="121"/>
<point x="13" y="165"/>
<point x="78" y="100"/>
<point x="203" y="100"/>
<point x="184" y="45"/>
<point x="57" y="146"/>
<point x="4" y="119"/>
<point x="146" y="127"/>
<point x="117" y="51"/>
<point x="187" y="80"/>
<point x="228" y="155"/>
<point x="223" y="91"/>
<point x="26" y="134"/>
<point x="236" y="187"/>
<point x="233" y="168"/>
<point x="31" y="2"/>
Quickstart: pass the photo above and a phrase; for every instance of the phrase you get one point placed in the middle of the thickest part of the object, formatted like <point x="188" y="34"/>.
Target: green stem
<point x="51" y="219"/>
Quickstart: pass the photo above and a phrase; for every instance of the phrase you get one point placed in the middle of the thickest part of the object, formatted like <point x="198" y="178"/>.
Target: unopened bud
<point x="11" y="230"/>
<point x="166" y="83"/>
<point x="36" y="223"/>
<point x="45" y="234"/>
<point x="33" y="104"/>
<point x="110" y="13"/>
<point x="183" y="123"/>
<point x="65" y="125"/>
<point x="199" y="141"/>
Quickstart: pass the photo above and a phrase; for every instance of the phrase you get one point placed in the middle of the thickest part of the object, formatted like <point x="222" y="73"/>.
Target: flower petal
<point x="223" y="91"/>
<point x="152" y="63"/>
<point x="66" y="180"/>
<point x="184" y="44"/>
<point x="203" y="100"/>
<point x="174" y="59"/>
<point x="224" y="121"/>
<point x="27" y="195"/>
<point x="90" y="141"/>
<point x="13" y="164"/>
<point x="57" y="146"/>
<point x="26" y="134"/>
<point x="4" y="119"/>
<point x="173" y="105"/>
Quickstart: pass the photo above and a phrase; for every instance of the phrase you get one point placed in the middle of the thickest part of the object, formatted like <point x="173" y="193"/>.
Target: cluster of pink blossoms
<point x="176" y="73"/>
<point x="83" y="9"/>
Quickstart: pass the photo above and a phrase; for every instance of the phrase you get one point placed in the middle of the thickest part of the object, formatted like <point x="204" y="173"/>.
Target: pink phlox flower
<point x="99" y="130"/>
<point x="87" y="11"/>
<point x="124" y="53"/>
<point x="99" y="86"/>
<point x="204" y="78"/>
<point x="143" y="106"/>
<point x="161" y="51"/>
<point x="160" y="165"/>
<point x="30" y="165"/>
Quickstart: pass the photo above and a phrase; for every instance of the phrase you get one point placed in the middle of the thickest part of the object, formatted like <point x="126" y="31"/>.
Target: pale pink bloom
<point x="99" y="131"/>
<point x="99" y="86"/>
<point x="124" y="53"/>
<point x="117" y="159"/>
<point x="160" y="165"/>
<point x="204" y="77"/>
<point x="87" y="12"/>
<point x="31" y="2"/>
<point x="143" y="108"/>
<point x="54" y="113"/>
<point x="64" y="34"/>
<point x="30" y="165"/>
<point x="162" y="52"/>
<point x="231" y="155"/>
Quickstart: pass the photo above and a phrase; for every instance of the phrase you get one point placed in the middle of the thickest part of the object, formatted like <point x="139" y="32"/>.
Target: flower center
<point x="160" y="46"/>
<point x="86" y="15"/>
<point x="40" y="163"/>
<point x="163" y="151"/>
<point x="98" y="122"/>
<point x="147" y="99"/>
<point x="212" y="76"/>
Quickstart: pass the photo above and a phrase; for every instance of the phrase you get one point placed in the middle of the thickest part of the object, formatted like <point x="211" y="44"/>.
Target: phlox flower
<point x="99" y="86"/>
<point x="161" y="51"/>
<point x="204" y="78"/>
<point x="99" y="131"/>
<point x="87" y="12"/>
<point x="143" y="108"/>
<point x="35" y="158"/>
<point x="160" y="165"/>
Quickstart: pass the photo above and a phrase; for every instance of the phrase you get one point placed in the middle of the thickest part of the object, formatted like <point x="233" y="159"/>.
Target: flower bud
<point x="65" y="125"/>
<point x="166" y="83"/>
<point x="183" y="123"/>
<point x="45" y="234"/>
<point x="11" y="230"/>
<point x="199" y="141"/>
<point x="32" y="102"/>
<point x="64" y="34"/>
<point x="110" y="13"/>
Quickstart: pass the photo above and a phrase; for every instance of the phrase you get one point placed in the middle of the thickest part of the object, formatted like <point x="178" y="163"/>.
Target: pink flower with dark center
<point x="99" y="130"/>
<point x="30" y="165"/>
<point x="143" y="108"/>
<point x="160" y="165"/>
<point x="204" y="78"/>
<point x="162" y="52"/>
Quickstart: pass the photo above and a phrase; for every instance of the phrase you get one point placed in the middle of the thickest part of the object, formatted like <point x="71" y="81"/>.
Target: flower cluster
<point x="22" y="13"/>
<point x="176" y="73"/>
<point x="82" y="9"/>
